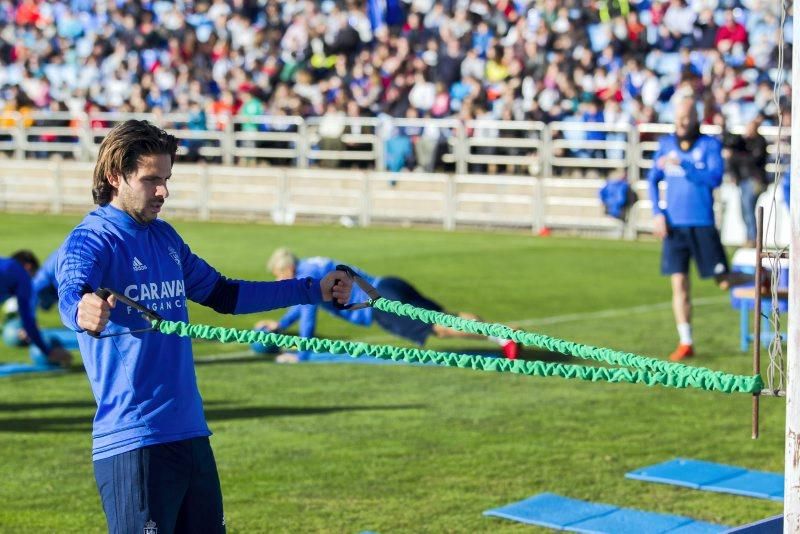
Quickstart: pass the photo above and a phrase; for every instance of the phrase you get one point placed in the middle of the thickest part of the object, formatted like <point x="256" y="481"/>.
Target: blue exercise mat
<point x="9" y="369"/>
<point x="562" y="513"/>
<point x="710" y="476"/>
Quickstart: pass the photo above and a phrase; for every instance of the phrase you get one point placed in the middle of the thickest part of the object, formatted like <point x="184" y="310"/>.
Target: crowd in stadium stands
<point x="608" y="61"/>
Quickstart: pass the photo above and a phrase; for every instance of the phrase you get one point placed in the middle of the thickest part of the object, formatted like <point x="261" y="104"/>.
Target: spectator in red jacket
<point x="730" y="33"/>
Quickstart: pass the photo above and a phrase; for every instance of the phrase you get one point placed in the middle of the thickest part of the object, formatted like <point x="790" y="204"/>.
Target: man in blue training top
<point x="284" y="265"/>
<point x="15" y="281"/>
<point x="691" y="165"/>
<point x="152" y="459"/>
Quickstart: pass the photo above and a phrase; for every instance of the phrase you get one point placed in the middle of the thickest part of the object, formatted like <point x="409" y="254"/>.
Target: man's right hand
<point x="670" y="159"/>
<point x="660" y="226"/>
<point x="94" y="312"/>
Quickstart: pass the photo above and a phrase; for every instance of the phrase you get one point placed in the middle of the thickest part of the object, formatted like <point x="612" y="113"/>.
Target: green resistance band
<point x="675" y="375"/>
<point x="530" y="339"/>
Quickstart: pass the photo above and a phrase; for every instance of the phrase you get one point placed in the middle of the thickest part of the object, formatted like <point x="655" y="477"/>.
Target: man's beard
<point x="690" y="136"/>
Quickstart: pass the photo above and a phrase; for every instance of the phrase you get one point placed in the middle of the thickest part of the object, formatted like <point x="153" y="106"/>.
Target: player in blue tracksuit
<point x="284" y="265"/>
<point x="43" y="295"/>
<point x="152" y="460"/>
<point x="691" y="165"/>
<point x="15" y="281"/>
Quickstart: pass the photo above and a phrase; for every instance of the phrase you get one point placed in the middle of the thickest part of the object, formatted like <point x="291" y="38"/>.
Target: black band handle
<point x="352" y="274"/>
<point x="103" y="294"/>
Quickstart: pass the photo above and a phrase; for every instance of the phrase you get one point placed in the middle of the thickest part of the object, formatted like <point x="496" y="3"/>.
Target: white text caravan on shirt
<point x="158" y="296"/>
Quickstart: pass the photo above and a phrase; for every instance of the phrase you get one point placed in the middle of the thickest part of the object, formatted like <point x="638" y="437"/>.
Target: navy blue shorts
<point x="411" y="329"/>
<point x="699" y="242"/>
<point x="169" y="488"/>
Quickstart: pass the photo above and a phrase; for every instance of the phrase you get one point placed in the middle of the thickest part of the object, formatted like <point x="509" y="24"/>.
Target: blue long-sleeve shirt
<point x="144" y="384"/>
<point x="16" y="282"/>
<point x="690" y="185"/>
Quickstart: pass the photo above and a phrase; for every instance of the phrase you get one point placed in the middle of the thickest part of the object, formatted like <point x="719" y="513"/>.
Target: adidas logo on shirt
<point x="137" y="265"/>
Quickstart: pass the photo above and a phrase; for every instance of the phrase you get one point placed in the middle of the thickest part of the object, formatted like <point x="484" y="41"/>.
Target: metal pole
<point x="791" y="499"/>
<point x="757" y="313"/>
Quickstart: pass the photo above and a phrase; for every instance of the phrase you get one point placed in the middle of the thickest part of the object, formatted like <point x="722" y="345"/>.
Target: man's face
<point x="685" y="118"/>
<point x="143" y="194"/>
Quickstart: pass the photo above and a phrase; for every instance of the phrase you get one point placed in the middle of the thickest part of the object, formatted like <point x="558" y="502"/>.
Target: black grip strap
<point x="103" y="294"/>
<point x="147" y="315"/>
<point x="363" y="284"/>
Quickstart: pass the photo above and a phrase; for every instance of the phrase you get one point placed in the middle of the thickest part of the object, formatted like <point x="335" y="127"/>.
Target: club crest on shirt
<point x="150" y="527"/>
<point x="174" y="255"/>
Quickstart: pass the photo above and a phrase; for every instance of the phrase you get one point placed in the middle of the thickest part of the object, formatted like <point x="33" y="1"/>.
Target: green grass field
<point x="348" y="448"/>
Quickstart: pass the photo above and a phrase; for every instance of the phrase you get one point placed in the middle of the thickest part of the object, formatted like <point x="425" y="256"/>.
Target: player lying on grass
<point x="284" y="265"/>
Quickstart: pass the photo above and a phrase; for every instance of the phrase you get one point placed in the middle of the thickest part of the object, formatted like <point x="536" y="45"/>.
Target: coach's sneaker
<point x="511" y="350"/>
<point x="681" y="353"/>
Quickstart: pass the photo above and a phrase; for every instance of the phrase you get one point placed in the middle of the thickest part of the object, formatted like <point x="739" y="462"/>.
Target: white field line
<point x="613" y="312"/>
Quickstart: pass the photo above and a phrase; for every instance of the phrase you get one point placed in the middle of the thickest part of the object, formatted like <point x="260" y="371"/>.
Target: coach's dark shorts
<point x="168" y="488"/>
<point x="411" y="329"/>
<point x="699" y="242"/>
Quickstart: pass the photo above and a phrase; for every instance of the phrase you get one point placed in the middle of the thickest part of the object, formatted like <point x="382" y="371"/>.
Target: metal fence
<point x="519" y="148"/>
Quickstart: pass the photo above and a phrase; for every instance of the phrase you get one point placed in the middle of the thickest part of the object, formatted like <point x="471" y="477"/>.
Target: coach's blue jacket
<point x="690" y="185"/>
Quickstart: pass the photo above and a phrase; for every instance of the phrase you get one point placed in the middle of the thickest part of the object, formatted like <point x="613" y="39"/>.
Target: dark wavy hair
<point x="120" y="152"/>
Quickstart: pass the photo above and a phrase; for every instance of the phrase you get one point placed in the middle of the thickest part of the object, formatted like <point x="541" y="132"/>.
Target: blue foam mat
<point x="9" y="369"/>
<point x="710" y="476"/>
<point x="562" y="513"/>
<point x="550" y="510"/>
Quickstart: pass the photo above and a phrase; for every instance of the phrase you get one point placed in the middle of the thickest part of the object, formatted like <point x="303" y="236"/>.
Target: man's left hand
<point x="336" y="285"/>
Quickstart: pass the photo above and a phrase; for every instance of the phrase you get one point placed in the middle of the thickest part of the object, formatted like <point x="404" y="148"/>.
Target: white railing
<point x="522" y="148"/>
<point x="213" y="192"/>
<point x="281" y="194"/>
<point x="570" y="146"/>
